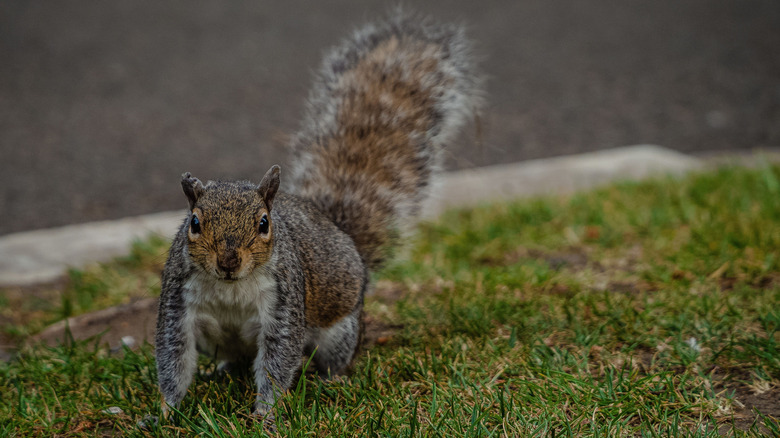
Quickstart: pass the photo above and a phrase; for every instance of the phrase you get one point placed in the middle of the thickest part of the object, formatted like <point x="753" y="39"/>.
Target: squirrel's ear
<point x="193" y="188"/>
<point x="269" y="185"/>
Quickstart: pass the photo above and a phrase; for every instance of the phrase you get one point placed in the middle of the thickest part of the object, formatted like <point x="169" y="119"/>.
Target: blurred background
<point x="103" y="104"/>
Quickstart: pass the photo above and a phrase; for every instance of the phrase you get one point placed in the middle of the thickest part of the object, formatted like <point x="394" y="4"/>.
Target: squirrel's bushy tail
<point x="383" y="104"/>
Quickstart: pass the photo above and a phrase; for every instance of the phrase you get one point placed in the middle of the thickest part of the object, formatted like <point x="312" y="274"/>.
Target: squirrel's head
<point x="230" y="228"/>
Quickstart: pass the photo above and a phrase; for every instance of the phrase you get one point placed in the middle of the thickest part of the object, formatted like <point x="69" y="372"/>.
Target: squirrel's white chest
<point x="229" y="317"/>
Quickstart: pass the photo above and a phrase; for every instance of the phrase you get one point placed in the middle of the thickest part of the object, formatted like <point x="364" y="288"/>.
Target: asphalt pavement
<point x="104" y="104"/>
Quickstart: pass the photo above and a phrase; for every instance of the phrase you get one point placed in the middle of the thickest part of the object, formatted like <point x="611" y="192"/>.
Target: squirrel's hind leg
<point x="336" y="345"/>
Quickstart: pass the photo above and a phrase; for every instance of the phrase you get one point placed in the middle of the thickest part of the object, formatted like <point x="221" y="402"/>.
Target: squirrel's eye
<point x="195" y="225"/>
<point x="263" y="228"/>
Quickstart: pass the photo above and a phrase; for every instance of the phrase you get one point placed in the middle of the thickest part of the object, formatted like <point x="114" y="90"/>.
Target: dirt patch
<point x="387" y="292"/>
<point x="749" y="401"/>
<point x="573" y="257"/>
<point x="630" y="287"/>
<point x="376" y="332"/>
<point x="129" y="324"/>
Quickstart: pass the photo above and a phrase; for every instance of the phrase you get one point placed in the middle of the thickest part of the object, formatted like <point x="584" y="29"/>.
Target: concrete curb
<point x="44" y="255"/>
<point x="554" y="176"/>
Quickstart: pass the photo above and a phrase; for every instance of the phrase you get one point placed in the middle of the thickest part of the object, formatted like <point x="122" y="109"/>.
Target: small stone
<point x="128" y="341"/>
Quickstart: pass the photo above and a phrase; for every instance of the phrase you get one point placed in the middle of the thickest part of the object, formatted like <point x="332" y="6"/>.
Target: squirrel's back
<point x="383" y="104"/>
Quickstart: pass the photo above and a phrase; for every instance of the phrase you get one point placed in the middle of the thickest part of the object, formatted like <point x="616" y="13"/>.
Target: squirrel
<point x="270" y="277"/>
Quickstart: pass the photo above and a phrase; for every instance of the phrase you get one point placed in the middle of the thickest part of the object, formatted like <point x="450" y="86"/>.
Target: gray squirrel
<point x="268" y="277"/>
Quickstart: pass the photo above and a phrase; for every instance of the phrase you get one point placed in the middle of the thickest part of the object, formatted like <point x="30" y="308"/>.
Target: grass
<point x="639" y="309"/>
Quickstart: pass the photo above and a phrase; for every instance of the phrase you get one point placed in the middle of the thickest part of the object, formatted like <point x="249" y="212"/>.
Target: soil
<point x="129" y="324"/>
<point x="750" y="400"/>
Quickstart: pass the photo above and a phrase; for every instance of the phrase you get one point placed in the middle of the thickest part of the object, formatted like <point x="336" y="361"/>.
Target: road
<point x="104" y="104"/>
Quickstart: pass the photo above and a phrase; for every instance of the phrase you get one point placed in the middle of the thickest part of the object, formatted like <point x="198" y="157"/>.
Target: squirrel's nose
<point x="229" y="262"/>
